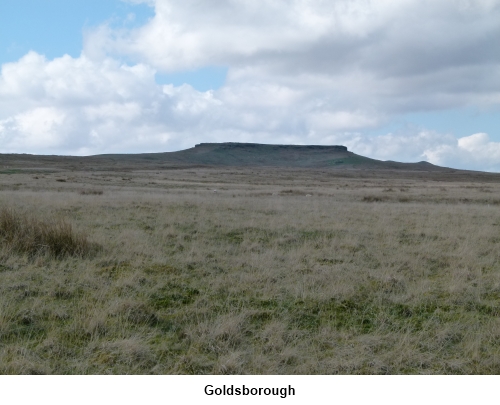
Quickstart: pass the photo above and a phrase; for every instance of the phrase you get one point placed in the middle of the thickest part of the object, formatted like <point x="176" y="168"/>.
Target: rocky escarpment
<point x="262" y="147"/>
<point x="255" y="154"/>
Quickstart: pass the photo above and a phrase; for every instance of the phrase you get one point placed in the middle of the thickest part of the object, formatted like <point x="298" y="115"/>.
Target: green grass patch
<point x="173" y="295"/>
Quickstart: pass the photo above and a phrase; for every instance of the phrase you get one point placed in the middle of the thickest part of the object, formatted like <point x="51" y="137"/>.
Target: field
<point x="248" y="271"/>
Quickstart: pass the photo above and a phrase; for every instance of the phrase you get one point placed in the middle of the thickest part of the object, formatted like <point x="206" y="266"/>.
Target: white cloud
<point x="369" y="57"/>
<point x="341" y="120"/>
<point x="475" y="152"/>
<point x="75" y="105"/>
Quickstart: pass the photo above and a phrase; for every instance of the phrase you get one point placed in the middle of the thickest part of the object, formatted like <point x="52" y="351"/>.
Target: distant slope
<point x="220" y="154"/>
<point x="254" y="154"/>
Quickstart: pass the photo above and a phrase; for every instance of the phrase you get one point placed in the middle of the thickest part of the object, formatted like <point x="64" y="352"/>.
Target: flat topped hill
<point x="253" y="154"/>
<point x="219" y="154"/>
<point x="265" y="155"/>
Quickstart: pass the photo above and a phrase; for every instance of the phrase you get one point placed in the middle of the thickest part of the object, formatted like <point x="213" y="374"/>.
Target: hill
<point x="219" y="154"/>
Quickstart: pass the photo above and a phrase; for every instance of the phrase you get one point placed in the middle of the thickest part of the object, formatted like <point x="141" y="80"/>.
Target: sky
<point x="406" y="80"/>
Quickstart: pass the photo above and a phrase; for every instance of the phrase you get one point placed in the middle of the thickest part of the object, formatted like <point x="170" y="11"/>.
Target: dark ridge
<point x="239" y="145"/>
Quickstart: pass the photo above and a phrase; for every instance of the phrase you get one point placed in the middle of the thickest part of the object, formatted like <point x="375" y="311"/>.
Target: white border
<point x="124" y="390"/>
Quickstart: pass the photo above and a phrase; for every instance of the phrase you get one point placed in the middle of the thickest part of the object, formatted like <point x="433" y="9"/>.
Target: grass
<point x="369" y="274"/>
<point x="91" y="192"/>
<point x="24" y="233"/>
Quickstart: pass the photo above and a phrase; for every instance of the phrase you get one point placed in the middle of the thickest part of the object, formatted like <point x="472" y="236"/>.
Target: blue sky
<point x="401" y="80"/>
<point x="55" y="27"/>
<point x="460" y="122"/>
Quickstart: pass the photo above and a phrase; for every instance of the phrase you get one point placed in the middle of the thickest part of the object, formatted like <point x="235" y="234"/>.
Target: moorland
<point x="220" y="260"/>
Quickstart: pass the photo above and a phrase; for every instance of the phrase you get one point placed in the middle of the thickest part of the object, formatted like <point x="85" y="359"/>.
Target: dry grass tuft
<point x="373" y="198"/>
<point x="26" y="234"/>
<point x="91" y="192"/>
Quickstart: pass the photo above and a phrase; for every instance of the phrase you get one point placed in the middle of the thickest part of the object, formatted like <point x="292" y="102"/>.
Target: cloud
<point x="373" y="59"/>
<point x="476" y="152"/>
<point x="71" y="105"/>
<point x="403" y="51"/>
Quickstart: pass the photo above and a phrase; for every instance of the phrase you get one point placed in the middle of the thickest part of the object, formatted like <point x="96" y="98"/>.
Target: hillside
<point x="218" y="154"/>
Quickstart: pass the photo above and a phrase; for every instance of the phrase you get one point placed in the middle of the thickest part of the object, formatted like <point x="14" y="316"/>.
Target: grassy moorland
<point x="262" y="271"/>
